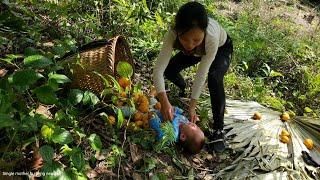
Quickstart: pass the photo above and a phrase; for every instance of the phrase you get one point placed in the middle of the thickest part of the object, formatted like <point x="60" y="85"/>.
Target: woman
<point x="202" y="40"/>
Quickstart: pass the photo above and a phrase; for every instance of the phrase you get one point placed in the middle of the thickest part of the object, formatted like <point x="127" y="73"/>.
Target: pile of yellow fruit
<point x="142" y="115"/>
<point x="284" y="136"/>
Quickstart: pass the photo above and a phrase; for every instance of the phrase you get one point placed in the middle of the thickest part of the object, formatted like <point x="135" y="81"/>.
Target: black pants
<point x="216" y="74"/>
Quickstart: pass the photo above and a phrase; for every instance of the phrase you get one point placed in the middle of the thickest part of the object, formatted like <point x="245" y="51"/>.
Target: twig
<point x="124" y="140"/>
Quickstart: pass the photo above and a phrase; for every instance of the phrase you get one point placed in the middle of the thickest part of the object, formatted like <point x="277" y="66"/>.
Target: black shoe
<point x="217" y="140"/>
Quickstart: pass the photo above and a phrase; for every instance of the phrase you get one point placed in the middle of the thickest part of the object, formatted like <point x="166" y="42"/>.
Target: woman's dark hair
<point x="191" y="15"/>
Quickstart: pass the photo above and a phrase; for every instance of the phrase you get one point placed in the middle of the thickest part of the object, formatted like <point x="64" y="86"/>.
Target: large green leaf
<point x="25" y="77"/>
<point x="75" y="96"/>
<point x="61" y="136"/>
<point x="77" y="158"/>
<point x="90" y="98"/>
<point x="6" y="121"/>
<point x="46" y="94"/>
<point x="37" y="61"/>
<point x="29" y="124"/>
<point x="59" y="78"/>
<point x="95" y="142"/>
<point x="52" y="170"/>
<point x="124" y="69"/>
<point x="47" y="153"/>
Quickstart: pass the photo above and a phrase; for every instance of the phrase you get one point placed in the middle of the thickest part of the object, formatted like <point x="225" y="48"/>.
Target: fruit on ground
<point x="285" y="133"/>
<point x="144" y="107"/>
<point x="284" y="139"/>
<point x="308" y="143"/>
<point x="257" y="116"/>
<point x="111" y="120"/>
<point x="285" y="116"/>
<point x="124" y="82"/>
<point x="145" y="117"/>
<point x="137" y="116"/>
<point x="146" y="124"/>
<point x="139" y="123"/>
<point x="136" y="96"/>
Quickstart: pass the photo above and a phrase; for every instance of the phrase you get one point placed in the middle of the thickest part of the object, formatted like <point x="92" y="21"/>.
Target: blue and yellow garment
<point x="155" y="122"/>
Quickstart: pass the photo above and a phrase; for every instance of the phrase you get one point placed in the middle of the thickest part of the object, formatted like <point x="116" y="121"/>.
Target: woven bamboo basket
<point x="101" y="57"/>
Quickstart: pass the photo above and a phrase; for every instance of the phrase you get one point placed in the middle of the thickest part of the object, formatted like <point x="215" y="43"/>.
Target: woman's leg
<point x="216" y="74"/>
<point x="177" y="63"/>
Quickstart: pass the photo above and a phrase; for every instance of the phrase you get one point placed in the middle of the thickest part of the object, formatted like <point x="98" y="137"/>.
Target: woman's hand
<point x="192" y="111"/>
<point x="166" y="108"/>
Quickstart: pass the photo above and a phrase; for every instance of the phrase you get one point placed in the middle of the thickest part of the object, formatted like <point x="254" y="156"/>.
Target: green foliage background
<point x="276" y="62"/>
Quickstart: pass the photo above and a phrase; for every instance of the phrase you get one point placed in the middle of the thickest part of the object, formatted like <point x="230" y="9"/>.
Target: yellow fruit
<point x="157" y="106"/>
<point x="308" y="143"/>
<point x="284" y="139"/>
<point x="257" y="116"/>
<point x="284" y="133"/>
<point x="124" y="82"/>
<point x="146" y="124"/>
<point x="143" y="100"/>
<point x="123" y="94"/>
<point x="137" y="116"/>
<point x="145" y="118"/>
<point x="111" y="120"/>
<point x="285" y="117"/>
<point x="144" y="108"/>
<point x="139" y="123"/>
<point x="136" y="96"/>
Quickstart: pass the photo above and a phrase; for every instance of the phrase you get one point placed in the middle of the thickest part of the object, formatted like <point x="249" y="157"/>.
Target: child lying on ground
<point x="188" y="134"/>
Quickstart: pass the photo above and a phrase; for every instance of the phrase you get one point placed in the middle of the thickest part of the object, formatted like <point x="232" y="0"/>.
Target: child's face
<point x="191" y="38"/>
<point x="191" y="131"/>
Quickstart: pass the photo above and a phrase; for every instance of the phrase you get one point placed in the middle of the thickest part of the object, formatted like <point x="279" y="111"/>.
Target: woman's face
<point x="191" y="38"/>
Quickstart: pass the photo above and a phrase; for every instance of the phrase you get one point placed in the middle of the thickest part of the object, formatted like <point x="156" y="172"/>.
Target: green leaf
<point x="37" y="61"/>
<point x="150" y="163"/>
<point x="120" y="118"/>
<point x="29" y="124"/>
<point x="25" y="77"/>
<point x="75" y="96"/>
<point x="47" y="153"/>
<point x="61" y="136"/>
<point x="105" y="81"/>
<point x="10" y="57"/>
<point x="7" y="121"/>
<point x="308" y="110"/>
<point x="46" y="94"/>
<point x="95" y="142"/>
<point x="46" y="132"/>
<point x="90" y="98"/>
<point x="124" y="69"/>
<point x="77" y="158"/>
<point x="115" y="83"/>
<point x="52" y="170"/>
<point x="275" y="74"/>
<point x="59" y="78"/>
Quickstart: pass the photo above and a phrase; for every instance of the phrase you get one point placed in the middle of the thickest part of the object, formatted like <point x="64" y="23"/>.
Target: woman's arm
<point x="158" y="74"/>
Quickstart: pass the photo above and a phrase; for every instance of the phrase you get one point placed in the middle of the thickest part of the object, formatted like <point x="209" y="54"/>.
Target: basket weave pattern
<point x="101" y="59"/>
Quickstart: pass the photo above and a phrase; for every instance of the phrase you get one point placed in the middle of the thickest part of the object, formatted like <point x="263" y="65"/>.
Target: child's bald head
<point x="191" y="137"/>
